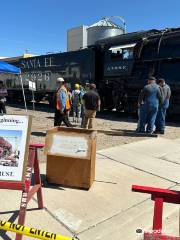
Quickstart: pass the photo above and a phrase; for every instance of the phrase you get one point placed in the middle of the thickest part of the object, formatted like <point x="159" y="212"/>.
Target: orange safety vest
<point x="58" y="103"/>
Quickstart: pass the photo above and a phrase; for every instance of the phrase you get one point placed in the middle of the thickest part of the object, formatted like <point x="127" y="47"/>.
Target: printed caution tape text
<point x="31" y="232"/>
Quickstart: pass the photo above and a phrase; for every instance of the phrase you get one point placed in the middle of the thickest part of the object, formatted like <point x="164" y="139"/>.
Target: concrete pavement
<point x="109" y="210"/>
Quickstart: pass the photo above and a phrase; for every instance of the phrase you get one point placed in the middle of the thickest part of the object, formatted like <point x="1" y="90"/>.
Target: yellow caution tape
<point x="31" y="232"/>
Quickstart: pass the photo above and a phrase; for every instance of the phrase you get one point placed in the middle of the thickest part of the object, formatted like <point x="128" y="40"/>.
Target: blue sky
<point x="41" y="25"/>
<point x="10" y="133"/>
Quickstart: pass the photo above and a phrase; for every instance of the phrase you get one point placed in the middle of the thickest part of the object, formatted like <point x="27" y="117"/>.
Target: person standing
<point x="83" y="90"/>
<point x="149" y="99"/>
<point x="76" y="103"/>
<point x="70" y="100"/>
<point x="3" y="95"/>
<point x="161" y="115"/>
<point x="62" y="104"/>
<point x="140" y="106"/>
<point x="92" y="105"/>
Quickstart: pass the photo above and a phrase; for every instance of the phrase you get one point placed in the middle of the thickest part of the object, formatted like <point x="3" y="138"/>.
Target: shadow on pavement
<point x="50" y="117"/>
<point x="12" y="219"/>
<point x="38" y="107"/>
<point x="38" y="134"/>
<point x="116" y="116"/>
<point x="45" y="184"/>
<point x="125" y="132"/>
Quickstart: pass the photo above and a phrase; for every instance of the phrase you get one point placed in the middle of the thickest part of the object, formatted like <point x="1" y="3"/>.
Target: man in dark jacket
<point x="149" y="100"/>
<point x="161" y="115"/>
<point x="92" y="104"/>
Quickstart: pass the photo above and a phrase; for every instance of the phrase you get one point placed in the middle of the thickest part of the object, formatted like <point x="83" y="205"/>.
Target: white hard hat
<point x="60" y="79"/>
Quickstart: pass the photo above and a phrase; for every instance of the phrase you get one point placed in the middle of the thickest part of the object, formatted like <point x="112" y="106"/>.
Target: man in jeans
<point x="92" y="104"/>
<point x="149" y="99"/>
<point x="161" y="115"/>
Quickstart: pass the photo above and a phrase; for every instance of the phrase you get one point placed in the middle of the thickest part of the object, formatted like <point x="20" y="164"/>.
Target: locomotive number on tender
<point x="38" y="76"/>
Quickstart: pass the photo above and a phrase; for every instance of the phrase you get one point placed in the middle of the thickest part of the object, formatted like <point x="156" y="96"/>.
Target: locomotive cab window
<point x="127" y="53"/>
<point x="122" y="52"/>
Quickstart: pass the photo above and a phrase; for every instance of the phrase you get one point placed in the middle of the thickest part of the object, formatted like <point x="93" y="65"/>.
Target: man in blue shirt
<point x="62" y="104"/>
<point x="149" y="101"/>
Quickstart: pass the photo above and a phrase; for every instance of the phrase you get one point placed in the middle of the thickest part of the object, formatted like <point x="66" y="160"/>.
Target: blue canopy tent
<point x="8" y="68"/>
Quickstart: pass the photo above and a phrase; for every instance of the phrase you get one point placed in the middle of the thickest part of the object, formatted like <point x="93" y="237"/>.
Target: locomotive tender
<point x="118" y="65"/>
<point x="76" y="66"/>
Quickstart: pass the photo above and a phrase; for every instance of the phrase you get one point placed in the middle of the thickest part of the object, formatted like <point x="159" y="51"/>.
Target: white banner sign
<point x="32" y="86"/>
<point x="13" y="139"/>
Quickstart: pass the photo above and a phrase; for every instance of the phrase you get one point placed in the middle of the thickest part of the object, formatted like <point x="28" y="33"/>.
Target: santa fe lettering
<point x="48" y="62"/>
<point x="37" y="63"/>
<point x="6" y="174"/>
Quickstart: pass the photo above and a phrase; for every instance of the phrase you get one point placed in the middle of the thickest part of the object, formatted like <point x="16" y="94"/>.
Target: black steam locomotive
<point x="118" y="65"/>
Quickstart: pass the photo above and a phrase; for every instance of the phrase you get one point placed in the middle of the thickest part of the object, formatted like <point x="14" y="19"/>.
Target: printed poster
<point x="14" y="141"/>
<point x="68" y="144"/>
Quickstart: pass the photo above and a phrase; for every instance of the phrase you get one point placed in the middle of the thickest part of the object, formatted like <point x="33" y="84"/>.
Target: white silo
<point x="104" y="28"/>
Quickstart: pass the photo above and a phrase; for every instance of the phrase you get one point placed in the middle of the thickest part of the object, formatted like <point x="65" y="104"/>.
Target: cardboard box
<point x="71" y="155"/>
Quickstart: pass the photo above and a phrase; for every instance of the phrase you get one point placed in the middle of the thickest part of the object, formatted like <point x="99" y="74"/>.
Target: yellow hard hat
<point x="76" y="86"/>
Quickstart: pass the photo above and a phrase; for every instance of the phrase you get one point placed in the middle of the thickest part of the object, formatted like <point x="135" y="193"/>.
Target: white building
<point x="76" y="38"/>
<point x="83" y="36"/>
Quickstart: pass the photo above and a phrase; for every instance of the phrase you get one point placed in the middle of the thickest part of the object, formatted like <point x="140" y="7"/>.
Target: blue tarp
<point x="8" y="68"/>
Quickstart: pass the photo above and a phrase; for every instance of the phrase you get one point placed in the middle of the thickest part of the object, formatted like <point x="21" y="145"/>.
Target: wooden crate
<point x="67" y="169"/>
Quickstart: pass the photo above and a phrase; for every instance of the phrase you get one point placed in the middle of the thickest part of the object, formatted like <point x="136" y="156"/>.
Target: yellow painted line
<point x="31" y="232"/>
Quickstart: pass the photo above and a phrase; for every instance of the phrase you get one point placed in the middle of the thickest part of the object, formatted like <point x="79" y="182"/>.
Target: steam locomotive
<point x="118" y="65"/>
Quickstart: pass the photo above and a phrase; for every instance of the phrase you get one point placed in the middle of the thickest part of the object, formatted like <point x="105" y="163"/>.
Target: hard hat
<point x="60" y="79"/>
<point x="76" y="86"/>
